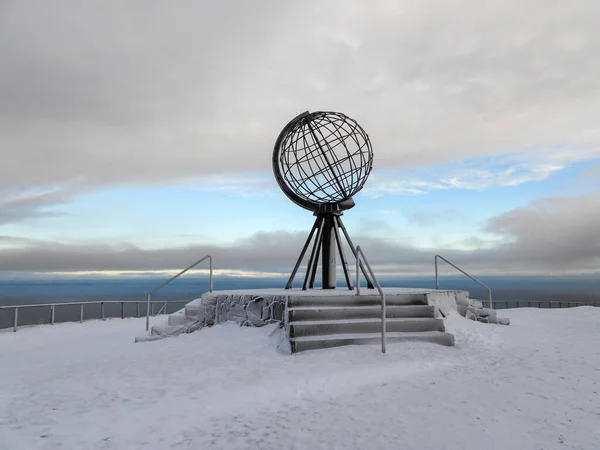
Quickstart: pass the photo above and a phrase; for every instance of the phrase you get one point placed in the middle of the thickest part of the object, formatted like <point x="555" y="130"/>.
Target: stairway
<point x="332" y="321"/>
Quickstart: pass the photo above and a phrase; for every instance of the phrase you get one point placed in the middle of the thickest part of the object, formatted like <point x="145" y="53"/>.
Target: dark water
<point x="507" y="292"/>
<point x="77" y="290"/>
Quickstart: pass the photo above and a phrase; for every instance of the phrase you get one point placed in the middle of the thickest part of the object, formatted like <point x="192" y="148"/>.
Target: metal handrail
<point x="53" y="306"/>
<point x="464" y="273"/>
<point x="173" y="278"/>
<point x="360" y="256"/>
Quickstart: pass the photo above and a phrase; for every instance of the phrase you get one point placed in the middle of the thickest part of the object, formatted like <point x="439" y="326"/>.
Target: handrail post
<point x="52" y="314"/>
<point x="122" y="310"/>
<point x="102" y="310"/>
<point x="171" y="279"/>
<point x="357" y="271"/>
<point x="16" y="322"/>
<point x="148" y="311"/>
<point x="360" y="256"/>
<point x="210" y="273"/>
<point x="435" y="261"/>
<point x="491" y="304"/>
<point x="81" y="312"/>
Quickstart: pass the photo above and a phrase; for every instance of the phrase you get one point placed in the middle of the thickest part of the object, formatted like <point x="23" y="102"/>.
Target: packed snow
<point x="532" y="385"/>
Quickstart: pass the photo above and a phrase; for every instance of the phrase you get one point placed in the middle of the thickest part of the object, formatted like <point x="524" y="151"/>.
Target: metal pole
<point x="361" y="255"/>
<point x="302" y="253"/>
<point x="435" y="263"/>
<point x="52" y="314"/>
<point x="342" y="254"/>
<point x="137" y="309"/>
<point x="16" y="323"/>
<point x="211" y="274"/>
<point x="148" y="312"/>
<point x="353" y="249"/>
<point x="328" y="254"/>
<point x="314" y="253"/>
<point x="357" y="274"/>
<point x="313" y="272"/>
<point x="81" y="313"/>
<point x="102" y="310"/>
<point x="165" y="307"/>
<point x="122" y="310"/>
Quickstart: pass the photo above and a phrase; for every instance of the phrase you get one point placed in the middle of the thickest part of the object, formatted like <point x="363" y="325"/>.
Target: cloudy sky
<point x="138" y="135"/>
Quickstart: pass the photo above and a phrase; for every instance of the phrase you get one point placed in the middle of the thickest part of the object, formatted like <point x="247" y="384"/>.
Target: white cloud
<point x="481" y="173"/>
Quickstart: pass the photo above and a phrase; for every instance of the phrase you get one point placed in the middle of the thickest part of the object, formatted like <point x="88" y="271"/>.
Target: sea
<point x="508" y="292"/>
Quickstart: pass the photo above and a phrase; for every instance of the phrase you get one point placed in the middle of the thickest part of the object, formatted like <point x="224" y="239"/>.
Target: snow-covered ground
<point x="532" y="385"/>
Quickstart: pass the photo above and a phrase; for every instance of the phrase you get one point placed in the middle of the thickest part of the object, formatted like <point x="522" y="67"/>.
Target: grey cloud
<point x="554" y="235"/>
<point x="14" y="208"/>
<point x="147" y="92"/>
<point x="561" y="233"/>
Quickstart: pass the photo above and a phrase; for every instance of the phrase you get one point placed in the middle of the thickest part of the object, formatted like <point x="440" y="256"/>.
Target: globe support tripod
<point x="326" y="227"/>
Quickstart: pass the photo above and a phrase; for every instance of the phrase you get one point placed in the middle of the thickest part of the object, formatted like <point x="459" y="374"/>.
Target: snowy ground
<point x="532" y="385"/>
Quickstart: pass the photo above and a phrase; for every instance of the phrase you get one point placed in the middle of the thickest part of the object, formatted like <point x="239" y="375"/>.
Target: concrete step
<point x="195" y="310"/>
<point x="178" y="319"/>
<point x="357" y="300"/>
<point x="355" y="326"/>
<point x="300" y="344"/>
<point x="300" y="313"/>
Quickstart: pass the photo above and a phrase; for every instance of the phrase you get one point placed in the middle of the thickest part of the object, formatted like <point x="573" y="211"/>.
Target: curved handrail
<point x="173" y="278"/>
<point x="360" y="256"/>
<point x="464" y="273"/>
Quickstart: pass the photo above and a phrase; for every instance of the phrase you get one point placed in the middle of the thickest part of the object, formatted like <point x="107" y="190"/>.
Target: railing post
<point x="16" y="319"/>
<point x="122" y="310"/>
<point x="148" y="312"/>
<point x="435" y="263"/>
<point x="52" y="314"/>
<point x="81" y="312"/>
<point x="102" y="310"/>
<point x="357" y="272"/>
<point x="137" y="309"/>
<point x="211" y="273"/>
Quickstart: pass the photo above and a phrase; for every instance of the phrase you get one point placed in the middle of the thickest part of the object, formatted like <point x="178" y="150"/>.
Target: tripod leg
<point x="362" y="268"/>
<point x="313" y="272"/>
<point x="342" y="254"/>
<point x="314" y="255"/>
<point x="302" y="253"/>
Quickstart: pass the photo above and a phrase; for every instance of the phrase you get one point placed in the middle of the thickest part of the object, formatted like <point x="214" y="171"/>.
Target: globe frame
<point x="314" y="141"/>
<point x="329" y="205"/>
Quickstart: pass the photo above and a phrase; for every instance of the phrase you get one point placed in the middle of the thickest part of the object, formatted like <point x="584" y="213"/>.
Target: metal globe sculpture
<point x="322" y="158"/>
<point x="320" y="161"/>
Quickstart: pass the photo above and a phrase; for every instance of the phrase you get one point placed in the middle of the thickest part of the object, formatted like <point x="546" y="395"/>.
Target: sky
<point x="137" y="136"/>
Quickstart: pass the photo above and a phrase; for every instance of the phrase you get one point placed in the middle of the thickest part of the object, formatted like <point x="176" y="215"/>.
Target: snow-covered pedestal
<point x="259" y="307"/>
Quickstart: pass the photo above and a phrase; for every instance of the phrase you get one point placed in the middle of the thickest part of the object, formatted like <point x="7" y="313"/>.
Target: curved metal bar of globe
<point x="362" y="268"/>
<point x="329" y="165"/>
<point x="302" y="253"/>
<point x="343" y="259"/>
<point x="311" y="206"/>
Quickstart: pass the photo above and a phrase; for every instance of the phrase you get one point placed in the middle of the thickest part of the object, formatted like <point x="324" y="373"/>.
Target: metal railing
<point x="542" y="304"/>
<point x="360" y="256"/>
<point x="173" y="278"/>
<point x="102" y="314"/>
<point x="437" y="286"/>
